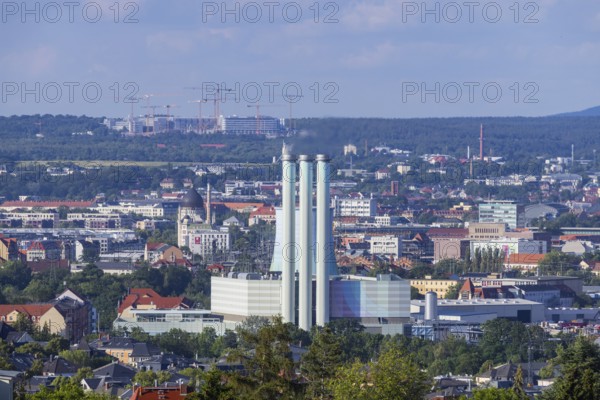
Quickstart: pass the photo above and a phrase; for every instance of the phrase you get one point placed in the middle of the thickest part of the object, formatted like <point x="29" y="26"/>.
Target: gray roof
<point x="118" y="373"/>
<point x="192" y="199"/>
<point x="59" y="366"/>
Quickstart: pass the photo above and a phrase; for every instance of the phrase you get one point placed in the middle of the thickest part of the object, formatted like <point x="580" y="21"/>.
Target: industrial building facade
<point x="506" y="212"/>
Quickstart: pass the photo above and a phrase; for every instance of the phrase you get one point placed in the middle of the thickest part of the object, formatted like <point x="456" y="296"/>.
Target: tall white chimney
<point x="288" y="205"/>
<point x="208" y="204"/>
<point x="306" y="244"/>
<point x="324" y="240"/>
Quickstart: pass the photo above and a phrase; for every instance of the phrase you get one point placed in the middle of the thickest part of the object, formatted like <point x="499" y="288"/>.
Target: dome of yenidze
<point x="192" y="199"/>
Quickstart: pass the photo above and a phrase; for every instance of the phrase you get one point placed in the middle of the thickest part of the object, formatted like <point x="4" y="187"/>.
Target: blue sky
<point x="383" y="58"/>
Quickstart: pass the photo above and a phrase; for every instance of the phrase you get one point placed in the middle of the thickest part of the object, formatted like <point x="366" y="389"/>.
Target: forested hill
<point x="511" y="137"/>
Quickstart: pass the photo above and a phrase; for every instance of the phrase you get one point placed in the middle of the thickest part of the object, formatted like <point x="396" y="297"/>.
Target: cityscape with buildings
<point x="327" y="240"/>
<point x="239" y="200"/>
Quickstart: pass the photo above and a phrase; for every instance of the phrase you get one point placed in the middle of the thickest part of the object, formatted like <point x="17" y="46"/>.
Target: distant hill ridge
<point x="588" y="112"/>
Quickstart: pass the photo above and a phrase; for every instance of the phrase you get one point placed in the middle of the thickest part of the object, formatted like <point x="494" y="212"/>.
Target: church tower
<point x="191" y="213"/>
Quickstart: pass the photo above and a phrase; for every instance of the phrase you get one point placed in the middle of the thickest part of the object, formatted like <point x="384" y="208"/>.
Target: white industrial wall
<point x="242" y="297"/>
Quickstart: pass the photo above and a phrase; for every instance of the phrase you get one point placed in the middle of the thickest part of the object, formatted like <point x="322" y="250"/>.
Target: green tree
<point x="393" y="376"/>
<point x="453" y="291"/>
<point x="494" y="394"/>
<point x="56" y="345"/>
<point x="319" y="364"/>
<point x="215" y="387"/>
<point x="415" y="295"/>
<point x="580" y="372"/>
<point x="177" y="341"/>
<point x="556" y="262"/>
<point x="151" y="378"/>
<point x="82" y="373"/>
<point x="269" y="363"/>
<point x="78" y="357"/>
<point x="15" y="273"/>
<point x="353" y="339"/>
<point x="24" y="324"/>
<point x="205" y="342"/>
<point x="504" y="340"/>
<point x="33" y="348"/>
<point x="66" y="389"/>
<point x="518" y="385"/>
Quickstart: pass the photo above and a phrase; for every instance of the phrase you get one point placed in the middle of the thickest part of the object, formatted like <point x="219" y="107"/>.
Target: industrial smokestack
<point x="208" y="205"/>
<point x="324" y="239"/>
<point x="288" y="205"/>
<point x="306" y="244"/>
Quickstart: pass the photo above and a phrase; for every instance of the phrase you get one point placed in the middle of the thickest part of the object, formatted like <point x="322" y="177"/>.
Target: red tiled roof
<point x="525" y="258"/>
<point x="147" y="296"/>
<point x="239" y="205"/>
<point x="153" y="246"/>
<point x="467" y="287"/>
<point x="31" y="310"/>
<point x="48" y="204"/>
<point x="263" y="211"/>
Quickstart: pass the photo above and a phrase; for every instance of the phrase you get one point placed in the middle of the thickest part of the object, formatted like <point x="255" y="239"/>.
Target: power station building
<point x="303" y="286"/>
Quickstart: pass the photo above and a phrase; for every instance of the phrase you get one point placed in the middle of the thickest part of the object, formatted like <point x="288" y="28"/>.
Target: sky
<point x="372" y="58"/>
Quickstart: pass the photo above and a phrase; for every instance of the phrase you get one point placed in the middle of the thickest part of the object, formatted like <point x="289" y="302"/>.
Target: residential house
<point x="116" y="373"/>
<point x="9" y="250"/>
<point x="383" y="173"/>
<point x="148" y="299"/>
<point x="67" y="315"/>
<point x="46" y="250"/>
<point x="127" y="350"/>
<point x="232" y="221"/>
<point x="264" y="213"/>
<point x="58" y="366"/>
<point x="161" y="251"/>
<point x="578" y="247"/>
<point x="439" y="286"/>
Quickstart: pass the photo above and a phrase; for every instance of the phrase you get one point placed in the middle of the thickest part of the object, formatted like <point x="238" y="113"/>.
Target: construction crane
<point x="153" y="108"/>
<point x="200" y="120"/>
<point x="291" y="99"/>
<point x="147" y="97"/>
<point x="132" y="101"/>
<point x="217" y="98"/>
<point x="258" y="106"/>
<point x="168" y="107"/>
